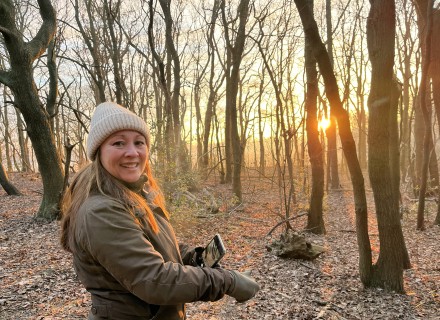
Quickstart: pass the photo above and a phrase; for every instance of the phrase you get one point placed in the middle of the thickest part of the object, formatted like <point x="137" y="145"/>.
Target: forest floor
<point x="37" y="280"/>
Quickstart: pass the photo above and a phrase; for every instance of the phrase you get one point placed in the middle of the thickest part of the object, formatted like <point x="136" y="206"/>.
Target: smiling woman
<point x="124" y="155"/>
<point x="117" y="227"/>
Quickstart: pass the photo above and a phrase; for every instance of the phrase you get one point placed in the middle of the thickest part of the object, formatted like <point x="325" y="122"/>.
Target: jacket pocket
<point x="98" y="312"/>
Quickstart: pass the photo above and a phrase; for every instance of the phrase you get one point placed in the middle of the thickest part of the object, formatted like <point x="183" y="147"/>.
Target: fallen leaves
<point x="38" y="281"/>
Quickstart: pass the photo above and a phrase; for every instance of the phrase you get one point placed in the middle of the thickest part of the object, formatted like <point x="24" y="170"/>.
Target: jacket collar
<point x="136" y="186"/>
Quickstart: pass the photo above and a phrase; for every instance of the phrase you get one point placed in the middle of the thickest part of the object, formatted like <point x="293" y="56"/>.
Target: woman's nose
<point x="131" y="150"/>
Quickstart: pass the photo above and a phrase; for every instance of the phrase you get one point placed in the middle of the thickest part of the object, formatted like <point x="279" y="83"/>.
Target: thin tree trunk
<point x="315" y="221"/>
<point x="24" y="152"/>
<point x="332" y="147"/>
<point x="427" y="139"/>
<point x="7" y="139"/>
<point x="182" y="162"/>
<point x="212" y="90"/>
<point x="167" y="115"/>
<point x="260" y="129"/>
<point x="435" y="75"/>
<point x="232" y="82"/>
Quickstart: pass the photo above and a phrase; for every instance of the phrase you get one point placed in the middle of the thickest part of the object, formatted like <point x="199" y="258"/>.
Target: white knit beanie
<point x="108" y="118"/>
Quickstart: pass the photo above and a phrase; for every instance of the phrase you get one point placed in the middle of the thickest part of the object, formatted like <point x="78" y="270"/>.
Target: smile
<point x="129" y="165"/>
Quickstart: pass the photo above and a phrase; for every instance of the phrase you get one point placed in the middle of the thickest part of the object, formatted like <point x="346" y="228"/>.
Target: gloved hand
<point x="196" y="258"/>
<point x="244" y="287"/>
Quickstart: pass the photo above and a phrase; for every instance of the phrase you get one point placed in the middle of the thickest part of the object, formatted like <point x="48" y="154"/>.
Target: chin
<point x="130" y="179"/>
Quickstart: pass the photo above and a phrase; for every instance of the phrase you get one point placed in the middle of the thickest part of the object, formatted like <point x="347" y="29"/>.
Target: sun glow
<point x="323" y="124"/>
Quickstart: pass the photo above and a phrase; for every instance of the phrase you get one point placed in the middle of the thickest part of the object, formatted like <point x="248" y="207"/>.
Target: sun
<point x="323" y="124"/>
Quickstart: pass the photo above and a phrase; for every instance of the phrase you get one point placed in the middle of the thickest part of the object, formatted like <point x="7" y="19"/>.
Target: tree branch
<point x="7" y="21"/>
<point x="6" y="32"/>
<point x="47" y="30"/>
<point x="284" y="221"/>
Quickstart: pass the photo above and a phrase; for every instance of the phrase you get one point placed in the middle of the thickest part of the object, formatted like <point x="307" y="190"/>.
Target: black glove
<point x="196" y="258"/>
<point x="244" y="287"/>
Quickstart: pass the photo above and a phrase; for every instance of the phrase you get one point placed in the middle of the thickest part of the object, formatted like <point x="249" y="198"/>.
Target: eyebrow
<point x="124" y="136"/>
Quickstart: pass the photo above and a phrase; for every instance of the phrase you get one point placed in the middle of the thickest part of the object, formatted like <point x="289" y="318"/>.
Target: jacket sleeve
<point x="118" y="243"/>
<point x="186" y="253"/>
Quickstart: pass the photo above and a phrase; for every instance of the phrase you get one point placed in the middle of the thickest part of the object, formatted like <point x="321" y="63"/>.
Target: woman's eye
<point x="118" y="143"/>
<point x="140" y="143"/>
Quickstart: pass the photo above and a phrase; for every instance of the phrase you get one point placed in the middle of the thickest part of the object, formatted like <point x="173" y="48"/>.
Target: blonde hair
<point x="94" y="178"/>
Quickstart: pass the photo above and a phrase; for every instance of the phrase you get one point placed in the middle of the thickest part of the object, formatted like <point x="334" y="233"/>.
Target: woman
<point x="115" y="223"/>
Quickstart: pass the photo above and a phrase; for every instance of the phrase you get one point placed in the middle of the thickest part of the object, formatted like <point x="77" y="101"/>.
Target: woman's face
<point x="124" y="155"/>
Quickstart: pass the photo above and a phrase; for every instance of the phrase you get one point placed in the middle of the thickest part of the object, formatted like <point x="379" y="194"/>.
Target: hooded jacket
<point x="134" y="273"/>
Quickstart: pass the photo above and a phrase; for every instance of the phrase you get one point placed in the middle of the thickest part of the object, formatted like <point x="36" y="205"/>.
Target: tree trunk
<point x="20" y="79"/>
<point x="405" y="122"/>
<point x="261" y="129"/>
<point x="435" y="75"/>
<point x="394" y="151"/>
<point x="332" y="151"/>
<point x="232" y="82"/>
<point x="315" y="221"/>
<point x="219" y="149"/>
<point x="425" y="106"/>
<point x="362" y="135"/>
<point x="380" y="38"/>
<point x="112" y="12"/>
<point x="347" y="140"/>
<point x="212" y="90"/>
<point x="167" y="115"/>
<point x="51" y="105"/>
<point x="24" y="150"/>
<point x="7" y="139"/>
<point x="332" y="147"/>
<point x="182" y="162"/>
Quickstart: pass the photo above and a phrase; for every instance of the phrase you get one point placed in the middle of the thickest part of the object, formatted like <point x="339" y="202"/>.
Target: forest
<point x="305" y="132"/>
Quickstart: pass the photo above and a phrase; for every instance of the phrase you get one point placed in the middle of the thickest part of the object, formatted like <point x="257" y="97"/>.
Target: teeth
<point x="134" y="165"/>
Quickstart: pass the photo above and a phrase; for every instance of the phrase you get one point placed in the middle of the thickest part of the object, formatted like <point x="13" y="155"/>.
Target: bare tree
<point x="315" y="220"/>
<point x="19" y="78"/>
<point x="420" y="129"/>
<point x="285" y="120"/>
<point x="435" y="76"/>
<point x="180" y="149"/>
<point x="115" y="49"/>
<point x="348" y="144"/>
<point x="332" y="150"/>
<point x="406" y="54"/>
<point x="213" y="88"/>
<point x="424" y="91"/>
<point x="7" y="138"/>
<point x="92" y="40"/>
<point x="235" y="48"/>
<point x="393" y="257"/>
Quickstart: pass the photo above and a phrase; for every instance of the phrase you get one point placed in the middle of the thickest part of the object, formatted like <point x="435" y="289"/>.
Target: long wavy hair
<point x="94" y="178"/>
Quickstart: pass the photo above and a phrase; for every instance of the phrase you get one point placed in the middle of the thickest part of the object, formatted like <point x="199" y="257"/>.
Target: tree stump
<point x="294" y="246"/>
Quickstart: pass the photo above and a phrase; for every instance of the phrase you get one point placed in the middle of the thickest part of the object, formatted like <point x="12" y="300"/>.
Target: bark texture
<point x="388" y="271"/>
<point x="315" y="221"/>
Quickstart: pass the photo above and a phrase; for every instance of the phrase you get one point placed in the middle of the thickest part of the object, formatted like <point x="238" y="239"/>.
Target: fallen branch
<point x="284" y="221"/>
<point x="236" y="208"/>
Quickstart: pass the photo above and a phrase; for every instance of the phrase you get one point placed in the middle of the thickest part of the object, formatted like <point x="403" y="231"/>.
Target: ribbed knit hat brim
<point x="108" y="118"/>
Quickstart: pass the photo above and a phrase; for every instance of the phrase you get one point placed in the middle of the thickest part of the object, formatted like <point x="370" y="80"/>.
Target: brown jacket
<point x="133" y="273"/>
